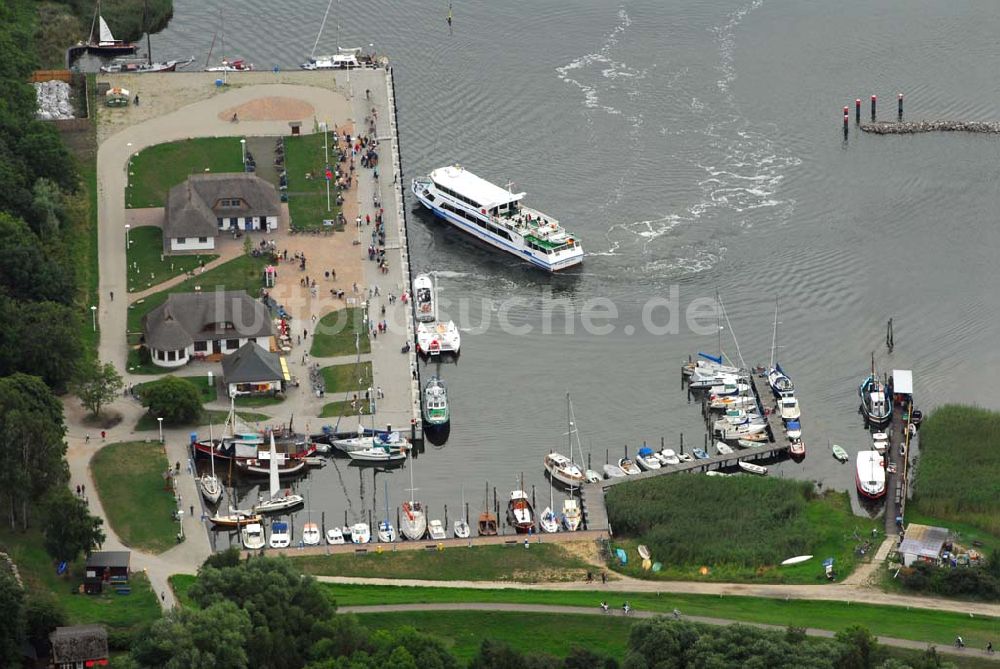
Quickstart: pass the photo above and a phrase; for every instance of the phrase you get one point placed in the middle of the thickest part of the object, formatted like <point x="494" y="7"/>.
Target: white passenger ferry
<point x="497" y="217"/>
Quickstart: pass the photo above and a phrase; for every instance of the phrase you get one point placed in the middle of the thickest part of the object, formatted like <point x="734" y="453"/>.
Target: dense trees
<point x="12" y="629"/>
<point x="176" y="401"/>
<point x="69" y="528"/>
<point x="210" y="638"/>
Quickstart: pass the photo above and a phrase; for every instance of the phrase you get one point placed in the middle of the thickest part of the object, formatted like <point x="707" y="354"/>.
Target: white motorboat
<point x="335" y="536"/>
<point x="462" y="529"/>
<point x="708" y="364"/>
<point x="880" y="442"/>
<point x="252" y="536"/>
<point x="733" y="402"/>
<point x="793" y="430"/>
<point x="669" y="457"/>
<point x="728" y="389"/>
<point x="423" y="298"/>
<point x="870" y="474"/>
<point x="741" y="432"/>
<point x="699" y="381"/>
<point x="780" y="384"/>
<point x="281" y="534"/>
<point x="344" y="59"/>
<point x="310" y="534"/>
<point x="392" y="440"/>
<point x="592" y="476"/>
<point x="571" y="514"/>
<point x="789" y="406"/>
<point x="436" y="531"/>
<point x="646" y="458"/>
<point x="377" y="454"/>
<point x="278" y="501"/>
<point x="748" y="443"/>
<point x="360" y="533"/>
<point x="496" y="216"/>
<point x="438" y="337"/>
<point x="722" y="448"/>
<point x="629" y="467"/>
<point x="685" y="457"/>
<point x="751" y="468"/>
<point x="614" y="472"/>
<point x="235" y="65"/>
<point x="548" y="521"/>
<point x="563" y="469"/>
<point x="386" y="532"/>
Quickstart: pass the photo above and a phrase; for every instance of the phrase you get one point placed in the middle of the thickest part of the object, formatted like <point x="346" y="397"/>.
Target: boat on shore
<point x="870" y="474"/>
<point x="435" y="409"/>
<point x="496" y="216"/>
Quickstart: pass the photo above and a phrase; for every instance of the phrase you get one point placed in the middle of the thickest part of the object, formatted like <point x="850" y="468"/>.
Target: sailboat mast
<point x="93" y="24"/>
<point x="211" y="446"/>
<point x="145" y="25"/>
<point x="774" y="334"/>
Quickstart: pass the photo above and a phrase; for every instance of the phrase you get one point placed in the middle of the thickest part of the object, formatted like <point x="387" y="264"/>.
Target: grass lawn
<point x="154" y="171"/>
<point x="258" y="400"/>
<point x="136" y="366"/>
<point x="464" y="631"/>
<point x="38" y="571"/>
<point x="939" y="627"/>
<point x="242" y="273"/>
<point x="214" y="416"/>
<point x="347" y="377"/>
<point x="760" y="523"/>
<point x="343" y="408"/>
<point x="543" y="562"/>
<point x="958" y="471"/>
<point x="307" y="197"/>
<point x="129" y="479"/>
<point x="336" y="334"/>
<point x="206" y="391"/>
<point x="147" y="266"/>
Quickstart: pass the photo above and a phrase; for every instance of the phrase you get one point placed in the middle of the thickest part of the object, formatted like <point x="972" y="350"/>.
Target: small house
<point x="105" y="567"/>
<point x="923" y="543"/>
<point x="204" y="325"/>
<point x="208" y="204"/>
<point x="253" y="370"/>
<point x="79" y="646"/>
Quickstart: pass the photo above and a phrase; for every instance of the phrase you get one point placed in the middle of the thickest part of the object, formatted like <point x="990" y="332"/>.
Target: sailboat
<point x="106" y="44"/>
<point x="781" y="384"/>
<point x="209" y="484"/>
<point x="386" y="532"/>
<point x="413" y="522"/>
<point x="226" y="66"/>
<point x="547" y="520"/>
<point x="487" y="519"/>
<point x="277" y="501"/>
<point x="520" y="515"/>
<point x="133" y="66"/>
<point x="344" y="59"/>
<point x="563" y="468"/>
<point x="461" y="526"/>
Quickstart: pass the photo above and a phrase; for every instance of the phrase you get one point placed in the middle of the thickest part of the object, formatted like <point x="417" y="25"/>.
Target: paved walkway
<point x="617" y="613"/>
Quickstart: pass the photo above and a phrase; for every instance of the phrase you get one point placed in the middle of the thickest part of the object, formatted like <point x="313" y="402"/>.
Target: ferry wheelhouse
<point x="496" y="216"/>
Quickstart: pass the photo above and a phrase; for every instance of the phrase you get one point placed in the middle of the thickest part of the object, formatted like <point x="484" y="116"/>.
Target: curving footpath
<point x="577" y="610"/>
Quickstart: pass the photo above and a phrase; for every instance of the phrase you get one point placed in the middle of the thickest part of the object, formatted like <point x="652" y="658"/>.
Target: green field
<point x="344" y="408"/>
<point x="957" y="477"/>
<point x="38" y="571"/>
<point x="348" y="377"/>
<point x="541" y="562"/>
<point x="154" y="171"/>
<point x="734" y="529"/>
<point x="242" y="273"/>
<point x="130" y="482"/>
<point x="307" y="197"/>
<point x="339" y="333"/>
<point x="464" y="631"/>
<point x="147" y="266"/>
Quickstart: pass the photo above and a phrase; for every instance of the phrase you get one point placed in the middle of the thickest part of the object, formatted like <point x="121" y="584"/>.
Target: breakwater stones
<point x="914" y="127"/>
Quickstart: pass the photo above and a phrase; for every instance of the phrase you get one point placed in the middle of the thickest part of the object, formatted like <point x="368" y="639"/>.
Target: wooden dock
<point x="897" y="470"/>
<point x="915" y="127"/>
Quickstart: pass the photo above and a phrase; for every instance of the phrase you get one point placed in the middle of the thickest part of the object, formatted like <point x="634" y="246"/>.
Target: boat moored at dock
<point x="870" y="475"/>
<point x="496" y="216"/>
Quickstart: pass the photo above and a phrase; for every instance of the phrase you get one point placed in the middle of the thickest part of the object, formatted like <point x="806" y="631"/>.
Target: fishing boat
<point x="751" y="468"/>
<point x="629" y="467"/>
<point x="101" y="42"/>
<point x="310" y="534"/>
<point x="211" y="488"/>
<point x="839" y="453"/>
<point x="722" y="448"/>
<point x="281" y="535"/>
<point x="669" y="457"/>
<point x="335" y="536"/>
<point x="880" y="442"/>
<point x="614" y="472"/>
<point x="487" y="519"/>
<point x="234" y="518"/>
<point x="646" y="458"/>
<point x="378" y="454"/>
<point x="797" y="448"/>
<point x="360" y="533"/>
<point x="870" y="474"/>
<point x="496" y="216"/>
<point x="252" y="536"/>
<point x="386" y="532"/>
<point x="547" y="520"/>
<point x="789" y="407"/>
<point x="876" y="404"/>
<point x="436" y="410"/>
<point x="699" y="454"/>
<point x="423" y="298"/>
<point x="436" y="531"/>
<point x="277" y="501"/>
<point x="413" y="521"/>
<point x="519" y="512"/>
<point x="438" y="337"/>
<point x="571" y="514"/>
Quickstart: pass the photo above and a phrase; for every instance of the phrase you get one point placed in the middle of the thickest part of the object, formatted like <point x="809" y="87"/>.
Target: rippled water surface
<point x="694" y="145"/>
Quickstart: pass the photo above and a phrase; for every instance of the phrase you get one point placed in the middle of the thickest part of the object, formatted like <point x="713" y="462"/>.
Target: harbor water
<point x="692" y="146"/>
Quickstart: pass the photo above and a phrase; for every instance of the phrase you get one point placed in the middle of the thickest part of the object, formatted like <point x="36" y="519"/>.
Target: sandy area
<point x="270" y="109"/>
